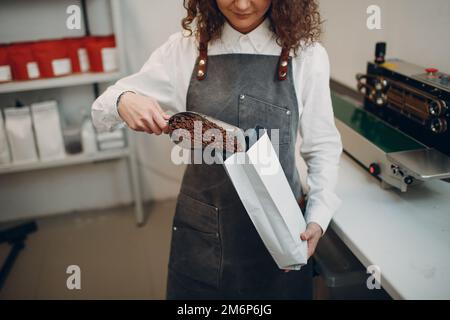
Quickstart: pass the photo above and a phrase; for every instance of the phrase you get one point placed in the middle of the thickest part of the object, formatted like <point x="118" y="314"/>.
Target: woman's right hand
<point x="143" y="113"/>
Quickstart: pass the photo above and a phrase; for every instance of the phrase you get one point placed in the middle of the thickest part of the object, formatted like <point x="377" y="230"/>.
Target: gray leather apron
<point x="216" y="253"/>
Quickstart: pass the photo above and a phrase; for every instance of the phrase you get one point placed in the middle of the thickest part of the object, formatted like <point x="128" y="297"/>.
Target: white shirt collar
<point x="259" y="37"/>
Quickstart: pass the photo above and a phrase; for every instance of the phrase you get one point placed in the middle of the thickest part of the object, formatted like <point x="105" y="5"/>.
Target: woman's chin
<point x="244" y="25"/>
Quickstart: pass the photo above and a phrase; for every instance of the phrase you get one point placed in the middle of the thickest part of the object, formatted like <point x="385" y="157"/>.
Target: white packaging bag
<point x="5" y="156"/>
<point x="48" y="131"/>
<point x="20" y="135"/>
<point x="265" y="192"/>
<point x="110" y="135"/>
<point x="111" y="140"/>
<point x="88" y="138"/>
<point x="111" y="144"/>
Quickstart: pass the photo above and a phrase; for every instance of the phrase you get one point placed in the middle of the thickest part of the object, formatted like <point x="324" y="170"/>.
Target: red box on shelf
<point x="5" y="68"/>
<point x="52" y="57"/>
<point x="22" y="62"/>
<point x="102" y="53"/>
<point x="77" y="53"/>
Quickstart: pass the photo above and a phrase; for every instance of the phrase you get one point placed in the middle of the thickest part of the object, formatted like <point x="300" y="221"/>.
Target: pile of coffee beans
<point x="186" y="122"/>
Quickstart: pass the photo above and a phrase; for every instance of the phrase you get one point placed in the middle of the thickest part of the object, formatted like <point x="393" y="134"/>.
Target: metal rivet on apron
<point x="202" y="62"/>
<point x="288" y="112"/>
<point x="174" y="228"/>
<point x="284" y="63"/>
<point x="242" y="97"/>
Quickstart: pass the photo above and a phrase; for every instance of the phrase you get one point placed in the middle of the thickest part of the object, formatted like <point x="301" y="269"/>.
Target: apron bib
<point x="216" y="252"/>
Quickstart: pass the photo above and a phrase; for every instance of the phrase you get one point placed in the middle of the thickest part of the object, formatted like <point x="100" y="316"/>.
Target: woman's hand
<point x="143" y="113"/>
<point x="312" y="234"/>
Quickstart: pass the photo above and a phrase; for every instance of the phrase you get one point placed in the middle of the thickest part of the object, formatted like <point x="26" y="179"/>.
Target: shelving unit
<point x="85" y="79"/>
<point x="70" y="160"/>
<point x="60" y="82"/>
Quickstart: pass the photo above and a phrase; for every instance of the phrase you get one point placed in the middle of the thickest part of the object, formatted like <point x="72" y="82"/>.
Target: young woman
<point x="248" y="63"/>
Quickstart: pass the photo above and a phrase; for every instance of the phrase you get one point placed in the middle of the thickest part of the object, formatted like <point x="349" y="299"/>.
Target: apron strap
<point x="283" y="64"/>
<point x="202" y="62"/>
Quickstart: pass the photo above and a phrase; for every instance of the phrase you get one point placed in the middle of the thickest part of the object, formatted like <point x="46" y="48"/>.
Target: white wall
<point x="415" y="31"/>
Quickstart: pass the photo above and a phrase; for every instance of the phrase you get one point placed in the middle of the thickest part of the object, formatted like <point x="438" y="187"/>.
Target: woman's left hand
<point x="312" y="234"/>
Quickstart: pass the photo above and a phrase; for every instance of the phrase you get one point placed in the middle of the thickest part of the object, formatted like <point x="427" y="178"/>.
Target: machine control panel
<point x="434" y="77"/>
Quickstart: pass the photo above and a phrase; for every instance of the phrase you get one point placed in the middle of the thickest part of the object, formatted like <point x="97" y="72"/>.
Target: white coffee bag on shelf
<point x="111" y="140"/>
<point x="47" y="127"/>
<point x="20" y="135"/>
<point x="5" y="156"/>
<point x="88" y="138"/>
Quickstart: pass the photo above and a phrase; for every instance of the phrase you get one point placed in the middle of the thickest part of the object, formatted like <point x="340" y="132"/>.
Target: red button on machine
<point x="374" y="169"/>
<point x="431" y="72"/>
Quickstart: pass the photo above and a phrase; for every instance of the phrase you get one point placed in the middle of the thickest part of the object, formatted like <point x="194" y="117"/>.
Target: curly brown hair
<point x="295" y="23"/>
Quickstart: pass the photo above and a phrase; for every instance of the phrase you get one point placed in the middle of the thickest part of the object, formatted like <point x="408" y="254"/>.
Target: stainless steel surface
<point x="416" y="72"/>
<point x="396" y="168"/>
<point x="436" y="81"/>
<point x="366" y="153"/>
<point x="402" y="67"/>
<point x="423" y="163"/>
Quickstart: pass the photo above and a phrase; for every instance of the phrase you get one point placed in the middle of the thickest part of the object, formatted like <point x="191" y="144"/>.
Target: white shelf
<point x="66" y="81"/>
<point x="67" y="161"/>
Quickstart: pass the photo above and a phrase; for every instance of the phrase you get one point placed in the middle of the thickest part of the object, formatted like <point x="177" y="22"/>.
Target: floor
<point x="117" y="259"/>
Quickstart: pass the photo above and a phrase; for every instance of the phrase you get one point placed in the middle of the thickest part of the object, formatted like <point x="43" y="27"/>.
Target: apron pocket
<point x="196" y="215"/>
<point x="195" y="247"/>
<point x="254" y="111"/>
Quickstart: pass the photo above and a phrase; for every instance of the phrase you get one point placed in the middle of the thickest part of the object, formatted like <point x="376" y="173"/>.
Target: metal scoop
<point x="185" y="142"/>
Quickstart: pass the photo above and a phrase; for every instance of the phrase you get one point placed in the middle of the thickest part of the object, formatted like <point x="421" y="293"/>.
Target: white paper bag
<point x="47" y="126"/>
<point x="20" y="135"/>
<point x="265" y="192"/>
